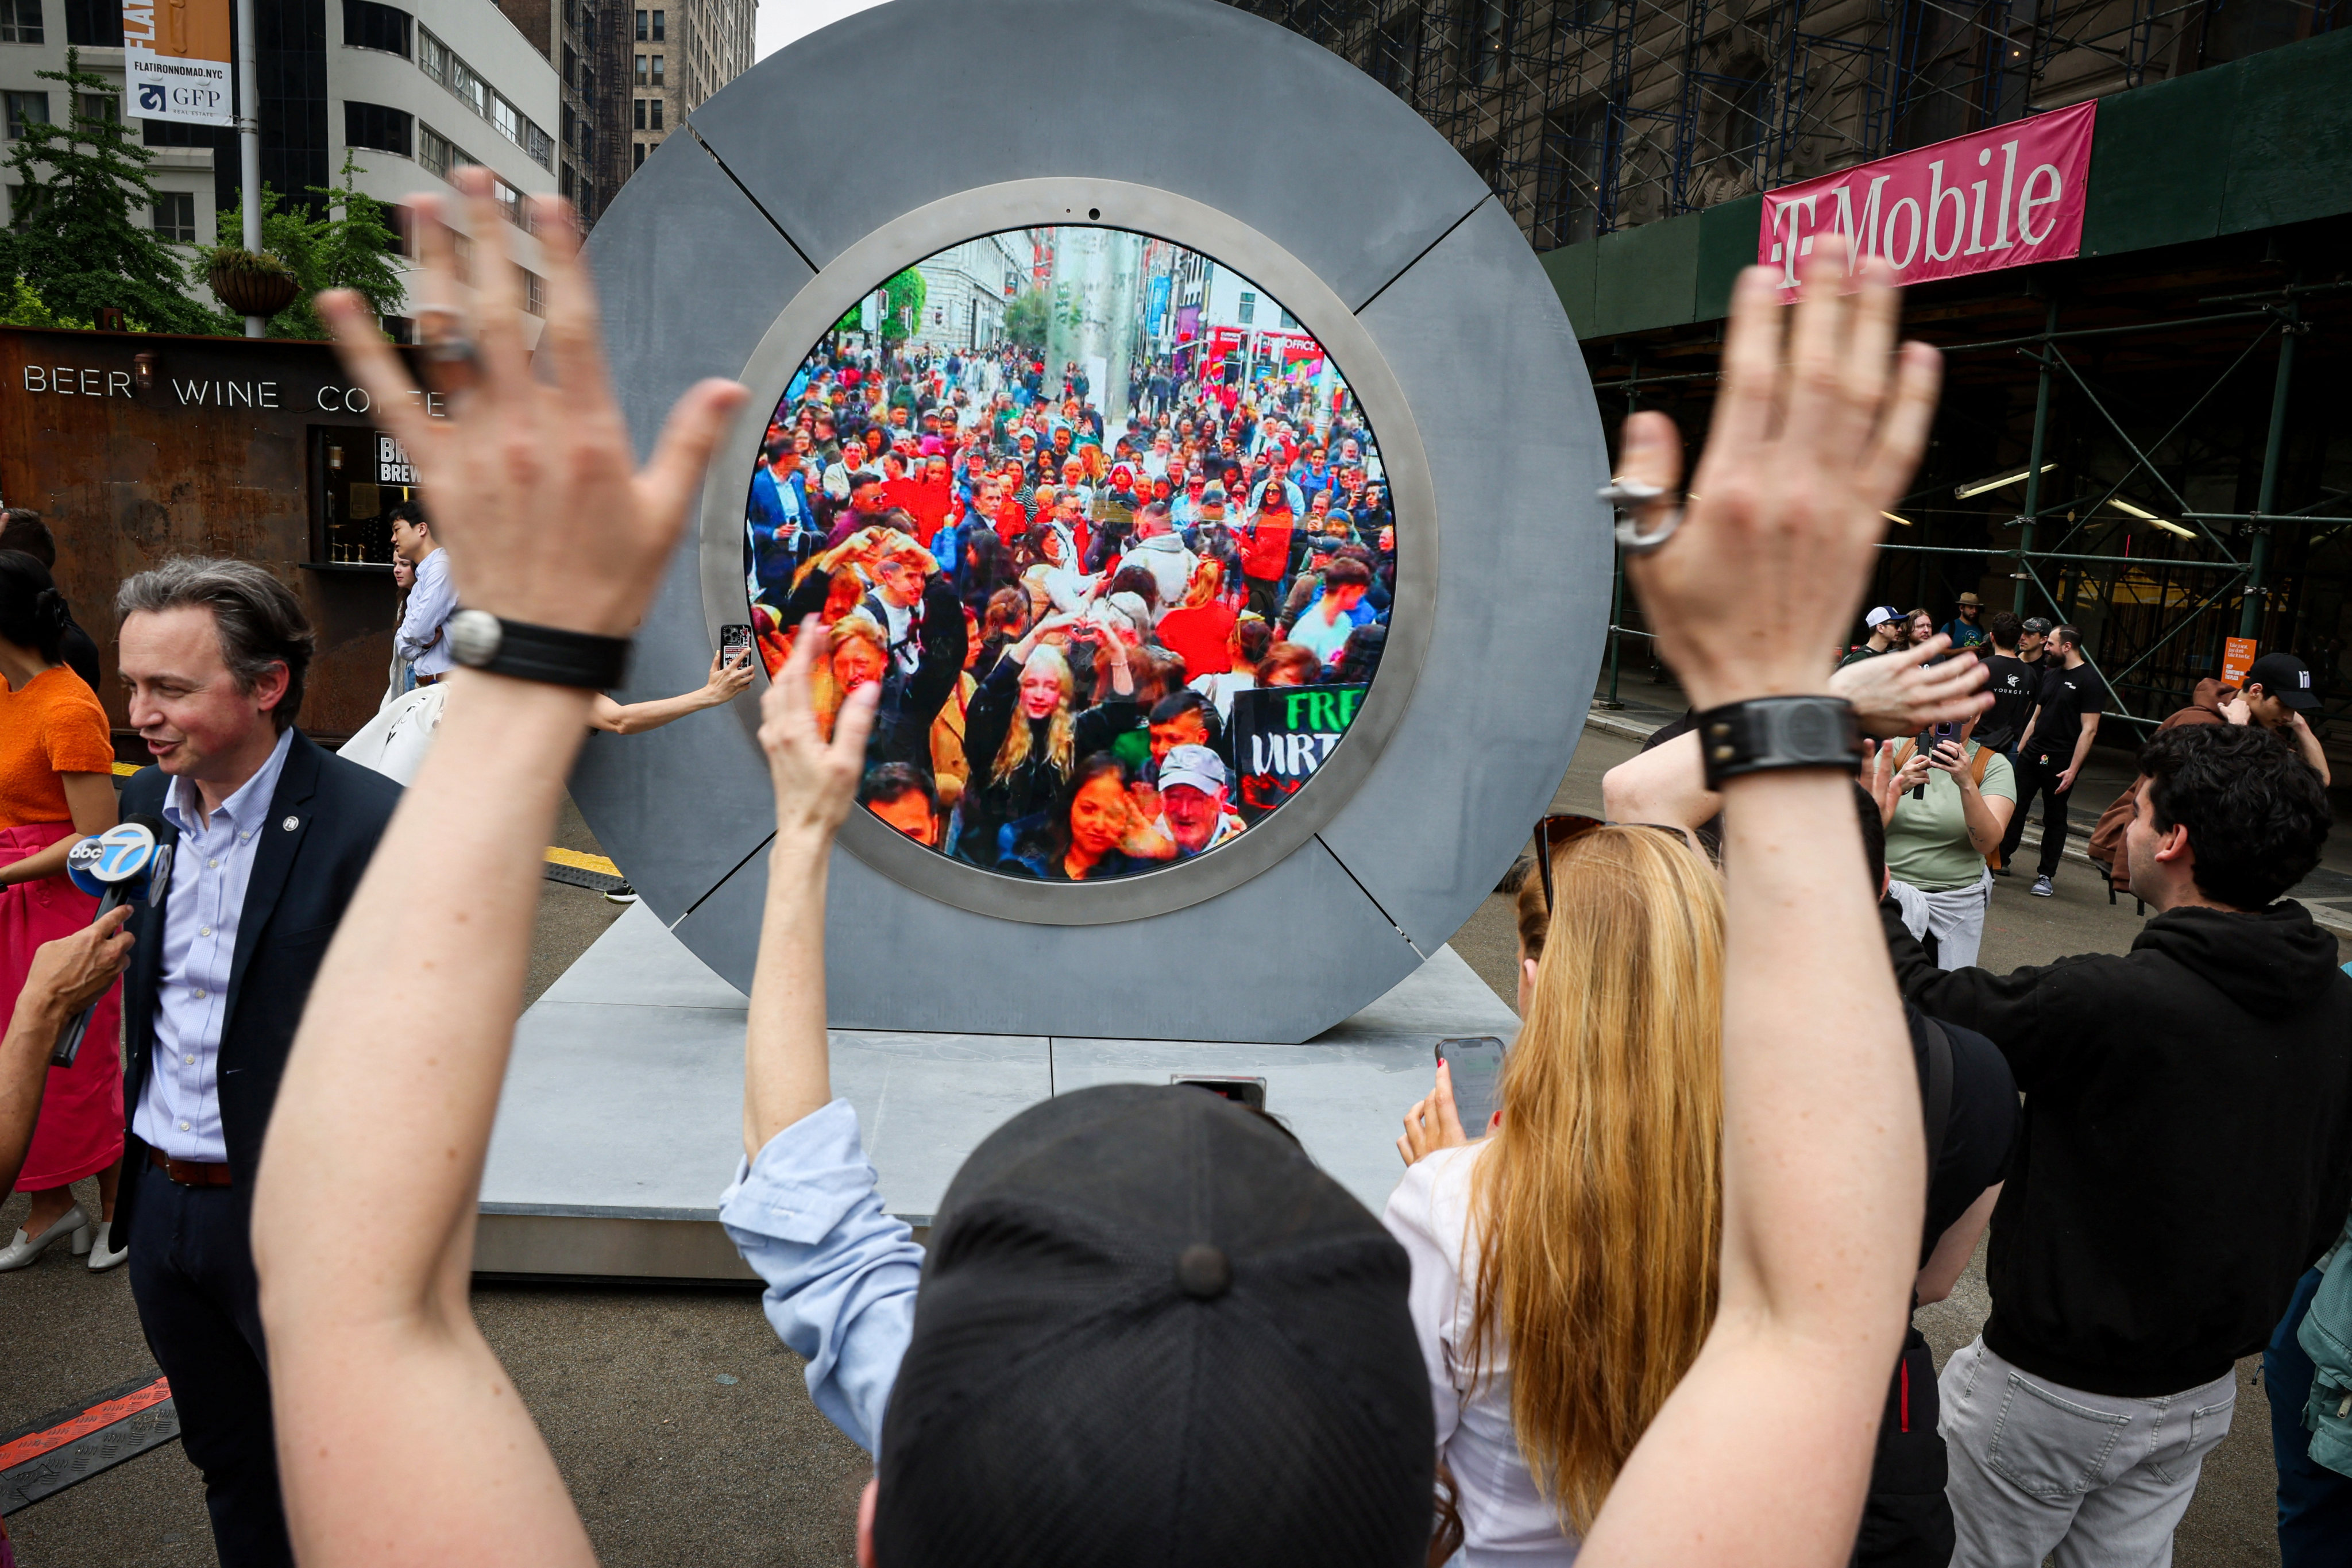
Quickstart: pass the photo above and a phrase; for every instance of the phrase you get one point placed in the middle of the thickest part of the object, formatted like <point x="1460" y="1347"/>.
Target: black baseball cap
<point x="2040" y="625"/>
<point x="2284" y="677"/>
<point x="1149" y="1330"/>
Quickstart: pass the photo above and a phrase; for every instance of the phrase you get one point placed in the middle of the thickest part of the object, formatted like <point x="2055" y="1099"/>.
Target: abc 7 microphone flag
<point x="176" y="59"/>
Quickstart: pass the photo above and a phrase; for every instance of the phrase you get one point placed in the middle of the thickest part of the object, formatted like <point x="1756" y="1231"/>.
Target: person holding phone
<point x="1946" y="803"/>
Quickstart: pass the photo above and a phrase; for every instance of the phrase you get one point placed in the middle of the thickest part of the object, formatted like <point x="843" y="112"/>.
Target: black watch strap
<point x="1767" y="734"/>
<point x="550" y="654"/>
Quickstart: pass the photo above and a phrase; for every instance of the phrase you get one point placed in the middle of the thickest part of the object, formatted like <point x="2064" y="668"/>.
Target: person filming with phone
<point x="1946" y="801"/>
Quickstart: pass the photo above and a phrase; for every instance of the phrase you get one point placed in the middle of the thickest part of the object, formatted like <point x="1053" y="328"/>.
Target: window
<point x="368" y="25"/>
<point x="641" y="33"/>
<point x="641" y="114"/>
<point x="657" y="70"/>
<point x="539" y="144"/>
<point x="438" y="153"/>
<point x="25" y="109"/>
<point x="175" y="217"/>
<point x="658" y="113"/>
<point x="374" y="125"/>
<point x="506" y="117"/>
<point x="534" y="292"/>
<point x="641" y="156"/>
<point x="659" y="17"/>
<point x="432" y="55"/>
<point x="173" y="133"/>
<point x="641" y="70"/>
<point x="471" y="90"/>
<point x="1249" y="309"/>
<point x="571" y="67"/>
<point x="95" y="24"/>
<point x="513" y="203"/>
<point x="101" y="106"/>
<point x="20" y="22"/>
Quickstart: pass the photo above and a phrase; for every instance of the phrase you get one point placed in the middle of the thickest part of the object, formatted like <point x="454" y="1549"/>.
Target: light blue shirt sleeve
<point x="841" y="1273"/>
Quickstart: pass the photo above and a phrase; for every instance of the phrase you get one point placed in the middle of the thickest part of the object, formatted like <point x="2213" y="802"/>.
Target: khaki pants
<point x="2087" y="1480"/>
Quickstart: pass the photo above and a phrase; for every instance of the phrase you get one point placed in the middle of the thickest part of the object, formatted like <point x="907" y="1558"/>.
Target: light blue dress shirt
<point x="841" y="1273"/>
<point x="179" y="1111"/>
<point x="430" y="601"/>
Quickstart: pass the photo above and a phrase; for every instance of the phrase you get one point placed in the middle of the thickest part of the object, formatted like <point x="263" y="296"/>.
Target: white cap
<point x="1881" y="616"/>
<point x="1196" y="767"/>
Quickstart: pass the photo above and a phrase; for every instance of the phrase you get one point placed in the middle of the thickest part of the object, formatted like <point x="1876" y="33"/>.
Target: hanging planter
<point x="251" y="283"/>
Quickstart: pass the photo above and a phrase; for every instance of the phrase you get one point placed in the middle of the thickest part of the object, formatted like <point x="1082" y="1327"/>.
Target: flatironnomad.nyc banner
<point x="176" y="59"/>
<point x="2008" y="196"/>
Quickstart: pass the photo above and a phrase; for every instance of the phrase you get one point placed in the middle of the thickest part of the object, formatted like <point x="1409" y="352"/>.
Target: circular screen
<point x="1105" y="525"/>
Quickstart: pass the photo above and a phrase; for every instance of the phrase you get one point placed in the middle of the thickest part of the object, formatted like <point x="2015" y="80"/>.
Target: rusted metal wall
<point x="208" y="453"/>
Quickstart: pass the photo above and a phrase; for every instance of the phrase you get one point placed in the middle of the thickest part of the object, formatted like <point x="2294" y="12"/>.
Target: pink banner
<point x="2009" y="197"/>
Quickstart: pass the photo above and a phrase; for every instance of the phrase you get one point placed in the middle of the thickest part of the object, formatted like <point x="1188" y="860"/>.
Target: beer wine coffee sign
<point x="176" y="59"/>
<point x="2007" y="196"/>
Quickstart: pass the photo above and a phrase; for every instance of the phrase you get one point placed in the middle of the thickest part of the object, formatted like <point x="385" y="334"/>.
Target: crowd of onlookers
<point x="1654" y="1309"/>
<point x="1050" y="606"/>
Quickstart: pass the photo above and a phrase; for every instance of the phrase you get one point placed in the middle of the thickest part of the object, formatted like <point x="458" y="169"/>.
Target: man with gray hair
<point x="274" y="833"/>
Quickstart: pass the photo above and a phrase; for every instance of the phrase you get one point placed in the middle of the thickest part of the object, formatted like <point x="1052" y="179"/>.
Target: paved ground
<point x="669" y="1463"/>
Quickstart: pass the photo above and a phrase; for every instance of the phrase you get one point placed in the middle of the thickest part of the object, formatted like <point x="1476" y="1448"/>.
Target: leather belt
<point x="190" y="1172"/>
<point x="428" y="679"/>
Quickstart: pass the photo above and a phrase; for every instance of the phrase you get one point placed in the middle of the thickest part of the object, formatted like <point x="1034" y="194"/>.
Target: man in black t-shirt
<point x="2057" y="739"/>
<point x="2014" y="684"/>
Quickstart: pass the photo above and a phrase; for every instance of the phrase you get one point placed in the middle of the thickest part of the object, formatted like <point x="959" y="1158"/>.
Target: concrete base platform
<point x="622" y="1118"/>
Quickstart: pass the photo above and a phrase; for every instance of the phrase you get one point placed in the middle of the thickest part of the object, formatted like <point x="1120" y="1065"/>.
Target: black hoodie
<point x="2186" y="1152"/>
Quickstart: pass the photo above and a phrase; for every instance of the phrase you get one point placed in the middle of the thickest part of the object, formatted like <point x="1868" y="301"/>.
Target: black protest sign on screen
<point x="1282" y="734"/>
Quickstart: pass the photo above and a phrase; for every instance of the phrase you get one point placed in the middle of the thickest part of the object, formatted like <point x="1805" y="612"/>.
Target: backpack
<point x="2326" y="1336"/>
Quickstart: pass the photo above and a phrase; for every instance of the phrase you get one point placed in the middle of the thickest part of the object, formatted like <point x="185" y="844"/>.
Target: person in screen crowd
<point x="1886" y="627"/>
<point x="2067" y="702"/>
<point x="1096" y="1250"/>
<point x="1964" y="628"/>
<point x="57" y="786"/>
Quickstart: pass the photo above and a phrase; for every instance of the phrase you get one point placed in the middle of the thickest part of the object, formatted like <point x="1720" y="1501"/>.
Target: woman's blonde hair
<point x="1061" y="734"/>
<point x="1598" y="1210"/>
<point x="826" y="693"/>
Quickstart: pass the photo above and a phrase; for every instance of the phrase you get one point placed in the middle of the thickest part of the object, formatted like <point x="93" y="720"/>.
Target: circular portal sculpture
<point x="1421" y="312"/>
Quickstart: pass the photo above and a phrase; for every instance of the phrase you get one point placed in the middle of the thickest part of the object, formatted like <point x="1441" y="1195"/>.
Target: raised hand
<point x="1900" y="693"/>
<point x="815" y="779"/>
<point x="527" y="477"/>
<point x="1818" y="427"/>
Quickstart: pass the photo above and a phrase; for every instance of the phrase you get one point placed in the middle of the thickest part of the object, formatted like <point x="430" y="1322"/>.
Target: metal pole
<point x="2032" y="461"/>
<point x="248" y="136"/>
<point x="2249" y="609"/>
<point x="1617" y="582"/>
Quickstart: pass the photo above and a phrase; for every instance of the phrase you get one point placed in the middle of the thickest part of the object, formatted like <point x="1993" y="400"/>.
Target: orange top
<point x="53" y="726"/>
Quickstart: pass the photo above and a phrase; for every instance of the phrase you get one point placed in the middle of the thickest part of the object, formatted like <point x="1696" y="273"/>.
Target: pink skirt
<point x="80" y="1129"/>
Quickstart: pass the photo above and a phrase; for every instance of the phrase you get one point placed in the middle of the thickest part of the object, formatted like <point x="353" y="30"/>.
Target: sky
<point x="780" y="21"/>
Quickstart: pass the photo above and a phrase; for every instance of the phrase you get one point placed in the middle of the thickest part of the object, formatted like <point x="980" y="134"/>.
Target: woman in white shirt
<point x="1564" y="1265"/>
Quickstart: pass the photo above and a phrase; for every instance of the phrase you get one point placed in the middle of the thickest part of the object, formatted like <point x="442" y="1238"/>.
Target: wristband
<point x="481" y="640"/>
<point x="1771" y="734"/>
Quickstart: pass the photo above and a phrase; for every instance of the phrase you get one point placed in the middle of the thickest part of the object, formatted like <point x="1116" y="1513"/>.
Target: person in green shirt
<point x="1945" y="808"/>
<point x="1887" y="630"/>
<point x="1966" y="629"/>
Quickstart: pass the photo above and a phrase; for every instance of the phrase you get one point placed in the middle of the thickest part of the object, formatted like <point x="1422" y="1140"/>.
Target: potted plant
<point x="252" y="283"/>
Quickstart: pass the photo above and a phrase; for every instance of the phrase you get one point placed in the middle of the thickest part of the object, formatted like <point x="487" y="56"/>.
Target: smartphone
<point x="734" y="641"/>
<point x="1249" y="1091"/>
<point x="1476" y="1064"/>
<point x="1948" y="730"/>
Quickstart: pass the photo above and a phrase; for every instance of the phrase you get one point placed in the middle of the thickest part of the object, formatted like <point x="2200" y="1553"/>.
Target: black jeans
<point x="192" y="1275"/>
<point x="2037" y="775"/>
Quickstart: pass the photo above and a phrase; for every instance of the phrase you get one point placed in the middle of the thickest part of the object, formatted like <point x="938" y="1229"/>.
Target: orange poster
<point x="2237" y="657"/>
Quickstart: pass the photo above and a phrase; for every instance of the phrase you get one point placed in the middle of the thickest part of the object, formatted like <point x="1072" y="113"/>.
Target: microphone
<point x="130" y="862"/>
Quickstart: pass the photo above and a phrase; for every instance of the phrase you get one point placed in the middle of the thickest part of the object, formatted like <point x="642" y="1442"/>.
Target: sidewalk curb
<point x="1609" y="724"/>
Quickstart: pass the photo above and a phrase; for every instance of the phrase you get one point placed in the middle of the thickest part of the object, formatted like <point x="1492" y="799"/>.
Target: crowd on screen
<point x="1061" y="614"/>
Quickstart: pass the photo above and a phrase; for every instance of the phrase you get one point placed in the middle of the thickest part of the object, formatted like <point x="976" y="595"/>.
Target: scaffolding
<point x="1589" y="116"/>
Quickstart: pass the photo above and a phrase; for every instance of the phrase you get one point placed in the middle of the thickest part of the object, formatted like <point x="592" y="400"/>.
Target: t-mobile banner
<point x="2004" y="197"/>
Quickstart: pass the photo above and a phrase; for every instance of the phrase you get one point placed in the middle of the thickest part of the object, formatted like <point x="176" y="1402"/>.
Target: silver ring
<point x="1629" y="495"/>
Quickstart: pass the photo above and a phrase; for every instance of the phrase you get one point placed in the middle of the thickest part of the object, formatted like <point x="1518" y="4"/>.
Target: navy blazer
<point x="303" y="878"/>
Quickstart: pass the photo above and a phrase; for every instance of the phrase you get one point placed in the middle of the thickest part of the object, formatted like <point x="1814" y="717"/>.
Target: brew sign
<point x="1282" y="734"/>
<point x="391" y="462"/>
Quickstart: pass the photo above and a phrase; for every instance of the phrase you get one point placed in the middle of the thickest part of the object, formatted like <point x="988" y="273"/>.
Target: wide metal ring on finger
<point x="1631" y="498"/>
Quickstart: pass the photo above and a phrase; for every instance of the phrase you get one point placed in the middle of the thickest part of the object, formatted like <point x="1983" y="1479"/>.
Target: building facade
<point x="966" y="289"/>
<point x="410" y="92"/>
<point x="679" y="54"/>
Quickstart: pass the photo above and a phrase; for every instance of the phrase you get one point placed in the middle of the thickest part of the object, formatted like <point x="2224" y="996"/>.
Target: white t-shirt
<point x="1327" y="639"/>
<point x="1219" y="688"/>
<point x="1505" y="1519"/>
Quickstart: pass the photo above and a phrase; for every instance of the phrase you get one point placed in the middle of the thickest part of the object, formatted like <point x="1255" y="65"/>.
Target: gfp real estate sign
<point x="176" y="59"/>
<point x="2008" y="196"/>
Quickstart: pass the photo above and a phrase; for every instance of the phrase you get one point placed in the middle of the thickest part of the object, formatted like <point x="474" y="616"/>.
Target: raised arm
<point x="400" y="1438"/>
<point x="1823" y="1167"/>
<point x="729" y="678"/>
